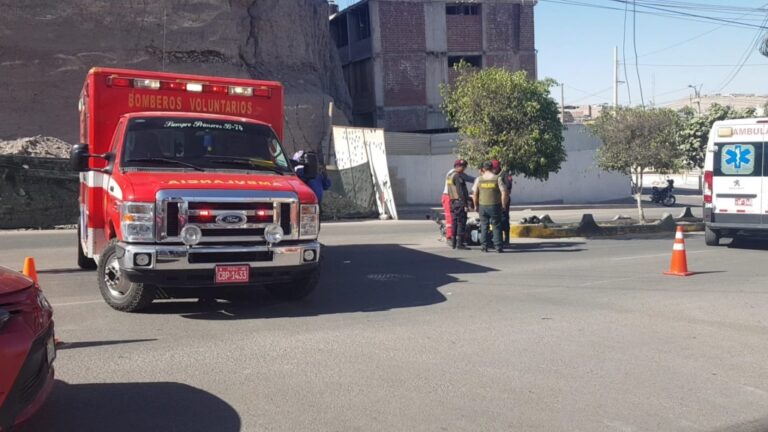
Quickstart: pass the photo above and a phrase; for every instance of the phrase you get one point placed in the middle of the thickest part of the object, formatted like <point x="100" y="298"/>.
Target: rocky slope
<point x="47" y="47"/>
<point x="36" y="146"/>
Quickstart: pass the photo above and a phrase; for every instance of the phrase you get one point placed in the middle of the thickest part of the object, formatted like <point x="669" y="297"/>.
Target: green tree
<point x="506" y="116"/>
<point x="695" y="130"/>
<point x="636" y="139"/>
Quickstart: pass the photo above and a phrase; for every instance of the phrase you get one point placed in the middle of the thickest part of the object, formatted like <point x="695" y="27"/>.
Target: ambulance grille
<point x="211" y="216"/>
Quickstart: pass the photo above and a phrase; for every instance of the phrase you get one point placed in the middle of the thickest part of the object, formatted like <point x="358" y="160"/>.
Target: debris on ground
<point x="36" y="146"/>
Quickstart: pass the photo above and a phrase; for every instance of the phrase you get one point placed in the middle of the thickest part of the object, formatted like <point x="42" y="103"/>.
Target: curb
<point x="589" y="228"/>
<point x="538" y="231"/>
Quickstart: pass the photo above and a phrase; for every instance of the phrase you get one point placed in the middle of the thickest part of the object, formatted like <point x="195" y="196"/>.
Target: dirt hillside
<point x="47" y="47"/>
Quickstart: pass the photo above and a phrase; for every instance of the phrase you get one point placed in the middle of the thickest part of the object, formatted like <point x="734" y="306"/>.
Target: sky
<point x="575" y="47"/>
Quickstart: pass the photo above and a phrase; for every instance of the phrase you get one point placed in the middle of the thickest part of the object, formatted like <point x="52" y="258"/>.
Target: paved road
<point x="405" y="334"/>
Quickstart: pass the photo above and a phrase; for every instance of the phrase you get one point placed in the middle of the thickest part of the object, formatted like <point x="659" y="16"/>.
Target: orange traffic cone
<point x="679" y="264"/>
<point x="29" y="268"/>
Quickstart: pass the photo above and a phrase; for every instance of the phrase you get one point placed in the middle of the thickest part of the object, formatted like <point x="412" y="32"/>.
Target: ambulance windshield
<point x="183" y="143"/>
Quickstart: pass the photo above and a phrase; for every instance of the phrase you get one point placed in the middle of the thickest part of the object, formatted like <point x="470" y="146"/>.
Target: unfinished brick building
<point x="396" y="53"/>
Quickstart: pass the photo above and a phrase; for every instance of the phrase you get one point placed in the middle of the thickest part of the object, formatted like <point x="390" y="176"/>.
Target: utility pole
<point x="697" y="93"/>
<point x="615" y="77"/>
<point x="562" y="103"/>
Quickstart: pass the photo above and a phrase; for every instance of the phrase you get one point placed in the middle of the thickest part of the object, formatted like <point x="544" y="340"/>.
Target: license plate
<point x="744" y="202"/>
<point x="51" y="350"/>
<point x="232" y="273"/>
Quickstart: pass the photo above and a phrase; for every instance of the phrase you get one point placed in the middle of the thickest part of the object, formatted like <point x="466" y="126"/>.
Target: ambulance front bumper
<point x="134" y="257"/>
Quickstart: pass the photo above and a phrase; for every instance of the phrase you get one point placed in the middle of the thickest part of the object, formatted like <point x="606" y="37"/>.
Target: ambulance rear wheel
<point x="296" y="289"/>
<point x="120" y="293"/>
<point x="83" y="261"/>
<point x="711" y="237"/>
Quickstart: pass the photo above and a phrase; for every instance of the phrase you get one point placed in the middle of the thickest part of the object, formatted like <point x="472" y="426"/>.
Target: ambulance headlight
<point x="273" y="233"/>
<point x="191" y="235"/>
<point x="309" y="223"/>
<point x="137" y="221"/>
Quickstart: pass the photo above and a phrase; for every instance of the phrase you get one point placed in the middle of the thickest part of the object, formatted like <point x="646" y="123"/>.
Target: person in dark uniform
<point x="460" y="204"/>
<point x="507" y="179"/>
<point x="491" y="196"/>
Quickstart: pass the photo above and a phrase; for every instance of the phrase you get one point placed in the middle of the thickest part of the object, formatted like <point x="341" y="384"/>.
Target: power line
<point x="688" y="14"/>
<point x="697" y="65"/>
<point x="624" y="55"/>
<point x="634" y="42"/>
<point x="745" y="58"/>
<point x="597" y="93"/>
<point x="675" y="45"/>
<point x="670" y="14"/>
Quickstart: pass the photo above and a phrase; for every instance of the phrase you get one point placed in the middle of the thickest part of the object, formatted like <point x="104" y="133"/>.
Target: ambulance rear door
<point x="738" y="184"/>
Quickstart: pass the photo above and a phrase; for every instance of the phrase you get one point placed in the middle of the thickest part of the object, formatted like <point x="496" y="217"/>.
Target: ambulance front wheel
<point x="120" y="293"/>
<point x="711" y="237"/>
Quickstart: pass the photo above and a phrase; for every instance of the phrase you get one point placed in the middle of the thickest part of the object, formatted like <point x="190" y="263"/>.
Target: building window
<point x="462" y="9"/>
<point x="474" y="61"/>
<point x="362" y="22"/>
<point x="339" y="31"/>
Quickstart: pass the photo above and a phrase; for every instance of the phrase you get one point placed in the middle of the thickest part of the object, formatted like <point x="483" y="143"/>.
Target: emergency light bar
<point x="192" y="87"/>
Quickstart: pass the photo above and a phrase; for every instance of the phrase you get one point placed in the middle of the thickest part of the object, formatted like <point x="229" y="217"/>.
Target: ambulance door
<point x="738" y="182"/>
<point x="764" y="209"/>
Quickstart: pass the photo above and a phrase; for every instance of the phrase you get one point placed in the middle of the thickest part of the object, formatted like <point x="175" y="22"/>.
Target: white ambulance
<point x="735" y="180"/>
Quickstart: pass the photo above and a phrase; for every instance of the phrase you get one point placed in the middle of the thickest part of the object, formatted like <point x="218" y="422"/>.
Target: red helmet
<point x="460" y="163"/>
<point x="496" y="165"/>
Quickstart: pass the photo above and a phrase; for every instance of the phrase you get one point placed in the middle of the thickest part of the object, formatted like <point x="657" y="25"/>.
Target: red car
<point x="27" y="348"/>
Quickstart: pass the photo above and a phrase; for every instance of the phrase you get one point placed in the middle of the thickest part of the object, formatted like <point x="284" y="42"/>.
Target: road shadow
<point x="130" y="407"/>
<point x="757" y="425"/>
<point x="546" y="246"/>
<point x="748" y="243"/>
<point x="64" y="271"/>
<point x="94" y="344"/>
<point x="355" y="278"/>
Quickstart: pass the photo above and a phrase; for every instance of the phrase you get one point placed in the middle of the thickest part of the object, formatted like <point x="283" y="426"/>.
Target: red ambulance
<point x="186" y="189"/>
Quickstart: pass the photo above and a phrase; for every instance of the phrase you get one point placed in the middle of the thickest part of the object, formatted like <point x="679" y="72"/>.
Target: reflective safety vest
<point x="453" y="191"/>
<point x="488" y="190"/>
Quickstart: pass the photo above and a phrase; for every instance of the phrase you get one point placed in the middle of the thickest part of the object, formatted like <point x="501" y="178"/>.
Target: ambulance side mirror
<point x="310" y="165"/>
<point x="78" y="157"/>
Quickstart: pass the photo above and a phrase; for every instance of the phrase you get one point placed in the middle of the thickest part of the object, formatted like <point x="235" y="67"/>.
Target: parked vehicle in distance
<point x="27" y="348"/>
<point x="185" y="189"/>
<point x="735" y="182"/>
<point x="664" y="196"/>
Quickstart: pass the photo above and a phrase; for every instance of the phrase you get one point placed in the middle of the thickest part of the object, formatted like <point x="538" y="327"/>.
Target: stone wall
<point x="37" y="192"/>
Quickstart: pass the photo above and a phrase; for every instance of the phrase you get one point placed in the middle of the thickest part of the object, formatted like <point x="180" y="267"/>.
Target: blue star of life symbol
<point x="738" y="156"/>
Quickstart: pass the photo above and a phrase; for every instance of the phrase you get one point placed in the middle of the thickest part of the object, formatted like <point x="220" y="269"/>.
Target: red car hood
<point x="142" y="186"/>
<point x="11" y="281"/>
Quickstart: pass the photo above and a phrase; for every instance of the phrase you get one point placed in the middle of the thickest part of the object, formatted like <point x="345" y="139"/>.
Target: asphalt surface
<point x="404" y="334"/>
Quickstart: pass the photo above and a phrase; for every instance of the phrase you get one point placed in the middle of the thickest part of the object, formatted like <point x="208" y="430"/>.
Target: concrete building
<point x="396" y="53"/>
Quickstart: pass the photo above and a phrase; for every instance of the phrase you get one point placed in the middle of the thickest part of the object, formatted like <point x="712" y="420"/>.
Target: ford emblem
<point x="231" y="219"/>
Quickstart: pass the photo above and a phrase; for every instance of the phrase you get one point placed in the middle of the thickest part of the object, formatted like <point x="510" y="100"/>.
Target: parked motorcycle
<point x="664" y="196"/>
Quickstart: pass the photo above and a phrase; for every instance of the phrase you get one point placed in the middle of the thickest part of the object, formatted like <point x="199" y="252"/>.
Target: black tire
<point x="711" y="237"/>
<point x="83" y="261"/>
<point x="120" y="293"/>
<point x="296" y="289"/>
<point x="669" y="201"/>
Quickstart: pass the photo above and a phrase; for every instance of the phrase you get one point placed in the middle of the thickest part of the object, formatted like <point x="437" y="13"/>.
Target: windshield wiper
<point x="251" y="163"/>
<point x="166" y="160"/>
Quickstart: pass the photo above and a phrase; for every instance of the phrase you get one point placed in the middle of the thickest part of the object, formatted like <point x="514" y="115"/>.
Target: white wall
<point x="419" y="179"/>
